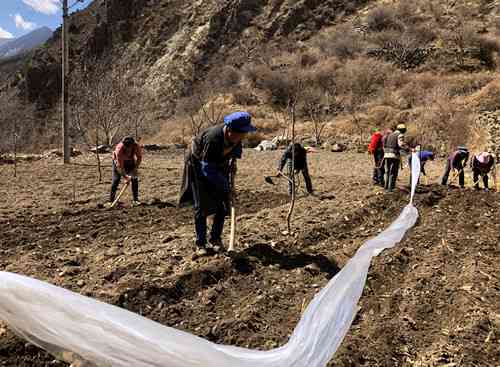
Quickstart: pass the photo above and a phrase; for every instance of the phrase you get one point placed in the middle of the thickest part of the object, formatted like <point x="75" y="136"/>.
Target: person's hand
<point x="127" y="178"/>
<point x="279" y="173"/>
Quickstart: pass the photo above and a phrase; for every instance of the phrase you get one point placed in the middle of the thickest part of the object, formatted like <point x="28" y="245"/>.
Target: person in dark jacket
<point x="481" y="165"/>
<point x="457" y="161"/>
<point x="127" y="158"/>
<point x="206" y="180"/>
<point x="393" y="145"/>
<point x="424" y="155"/>
<point x="376" y="148"/>
<point x="299" y="165"/>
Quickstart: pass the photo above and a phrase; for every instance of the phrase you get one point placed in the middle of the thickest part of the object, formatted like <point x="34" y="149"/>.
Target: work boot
<point x="200" y="252"/>
<point x="136" y="203"/>
<point x="217" y="245"/>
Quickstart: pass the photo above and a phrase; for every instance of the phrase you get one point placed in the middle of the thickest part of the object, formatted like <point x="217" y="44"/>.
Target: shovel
<point x="233" y="208"/>
<point x="122" y="191"/>
<point x="269" y="179"/>
<point x="455" y="174"/>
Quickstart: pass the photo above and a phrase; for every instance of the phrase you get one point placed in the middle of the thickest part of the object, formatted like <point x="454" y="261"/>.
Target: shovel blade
<point x="269" y="180"/>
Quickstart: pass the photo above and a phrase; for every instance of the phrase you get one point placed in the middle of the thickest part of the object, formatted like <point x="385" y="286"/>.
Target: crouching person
<point x="127" y="158"/>
<point x="206" y="178"/>
<point x="457" y="162"/>
<point x="481" y="165"/>
<point x="299" y="165"/>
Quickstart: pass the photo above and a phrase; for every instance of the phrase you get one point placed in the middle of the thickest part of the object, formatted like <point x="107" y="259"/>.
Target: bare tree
<point x="295" y="93"/>
<point x="16" y="123"/>
<point x="104" y="103"/>
<point x="137" y="112"/>
<point x="201" y="112"/>
<point x="291" y="109"/>
<point x="319" y="106"/>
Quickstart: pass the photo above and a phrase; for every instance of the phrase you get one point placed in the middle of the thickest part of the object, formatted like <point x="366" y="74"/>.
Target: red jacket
<point x="132" y="153"/>
<point x="375" y="142"/>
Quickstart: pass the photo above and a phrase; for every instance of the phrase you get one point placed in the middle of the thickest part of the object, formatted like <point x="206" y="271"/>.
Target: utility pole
<point x="65" y="68"/>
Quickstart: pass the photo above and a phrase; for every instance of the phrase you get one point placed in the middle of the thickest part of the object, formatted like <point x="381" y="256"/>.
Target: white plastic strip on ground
<point x="59" y="320"/>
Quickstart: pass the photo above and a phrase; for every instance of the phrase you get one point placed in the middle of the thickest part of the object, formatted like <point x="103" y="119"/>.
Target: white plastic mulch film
<point x="63" y="322"/>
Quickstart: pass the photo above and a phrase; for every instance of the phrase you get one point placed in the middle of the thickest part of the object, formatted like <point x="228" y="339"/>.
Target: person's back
<point x="459" y="157"/>
<point x="210" y="146"/>
<point x="483" y="162"/>
<point x="127" y="157"/>
<point x="393" y="144"/>
<point x="457" y="161"/>
<point x="376" y="143"/>
<point x="481" y="165"/>
<point x="127" y="150"/>
<point x="299" y="154"/>
<point x="376" y="149"/>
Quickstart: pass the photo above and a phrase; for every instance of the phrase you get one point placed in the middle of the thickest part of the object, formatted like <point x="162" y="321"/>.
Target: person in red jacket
<point x="376" y="148"/>
<point x="127" y="158"/>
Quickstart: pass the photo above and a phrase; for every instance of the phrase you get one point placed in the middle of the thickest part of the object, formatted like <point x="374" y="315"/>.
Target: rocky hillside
<point x="173" y="43"/>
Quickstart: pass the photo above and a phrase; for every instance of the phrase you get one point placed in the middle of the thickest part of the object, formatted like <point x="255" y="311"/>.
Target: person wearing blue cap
<point x="206" y="179"/>
<point x="457" y="161"/>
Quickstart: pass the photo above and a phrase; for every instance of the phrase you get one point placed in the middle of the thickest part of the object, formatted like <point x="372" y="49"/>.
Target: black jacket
<point x="300" y="161"/>
<point x="206" y="178"/>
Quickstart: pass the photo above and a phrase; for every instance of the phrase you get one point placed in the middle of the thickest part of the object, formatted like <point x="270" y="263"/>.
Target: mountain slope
<point x="25" y="43"/>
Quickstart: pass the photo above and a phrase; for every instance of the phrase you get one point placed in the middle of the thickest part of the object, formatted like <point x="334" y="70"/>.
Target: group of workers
<point x="210" y="167"/>
<point x="208" y="174"/>
<point x="387" y="147"/>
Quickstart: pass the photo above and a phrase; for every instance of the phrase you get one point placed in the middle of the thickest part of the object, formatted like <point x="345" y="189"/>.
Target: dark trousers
<point x="305" y="174"/>
<point x="476" y="173"/>
<point x="392" y="170"/>
<point x="129" y="168"/>
<point x="200" y="223"/>
<point x="446" y="174"/>
<point x="379" y="169"/>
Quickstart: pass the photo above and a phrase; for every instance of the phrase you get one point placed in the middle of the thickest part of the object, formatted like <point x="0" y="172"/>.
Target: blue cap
<point x="240" y="122"/>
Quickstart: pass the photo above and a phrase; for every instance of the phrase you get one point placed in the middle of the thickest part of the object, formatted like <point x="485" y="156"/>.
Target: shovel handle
<point x="122" y="191"/>
<point x="233" y="229"/>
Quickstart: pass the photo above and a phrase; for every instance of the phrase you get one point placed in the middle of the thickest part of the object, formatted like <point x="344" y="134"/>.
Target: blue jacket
<point x="424" y="156"/>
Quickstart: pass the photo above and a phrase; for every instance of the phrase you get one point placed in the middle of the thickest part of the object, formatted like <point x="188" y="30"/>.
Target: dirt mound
<point x="430" y="301"/>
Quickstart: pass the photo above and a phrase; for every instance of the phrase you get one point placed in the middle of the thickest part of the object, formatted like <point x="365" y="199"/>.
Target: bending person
<point x="481" y="165"/>
<point x="299" y="165"/>
<point x="127" y="158"/>
<point x="206" y="176"/>
<point x="457" y="161"/>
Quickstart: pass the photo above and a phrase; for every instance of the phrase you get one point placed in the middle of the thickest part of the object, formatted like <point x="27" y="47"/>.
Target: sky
<point x="18" y="17"/>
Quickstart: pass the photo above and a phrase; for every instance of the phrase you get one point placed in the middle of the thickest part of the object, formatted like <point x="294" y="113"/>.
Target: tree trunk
<point x="292" y="178"/>
<point x="98" y="157"/>
<point x="15" y="154"/>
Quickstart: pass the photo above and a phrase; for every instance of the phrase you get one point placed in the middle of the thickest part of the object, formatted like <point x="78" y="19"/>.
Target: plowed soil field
<point x="433" y="300"/>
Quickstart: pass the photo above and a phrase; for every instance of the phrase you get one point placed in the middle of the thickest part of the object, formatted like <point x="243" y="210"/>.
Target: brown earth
<point x="431" y="301"/>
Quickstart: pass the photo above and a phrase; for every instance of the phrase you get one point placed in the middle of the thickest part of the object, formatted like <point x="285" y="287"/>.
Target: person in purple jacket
<point x="424" y="155"/>
<point x="457" y="161"/>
